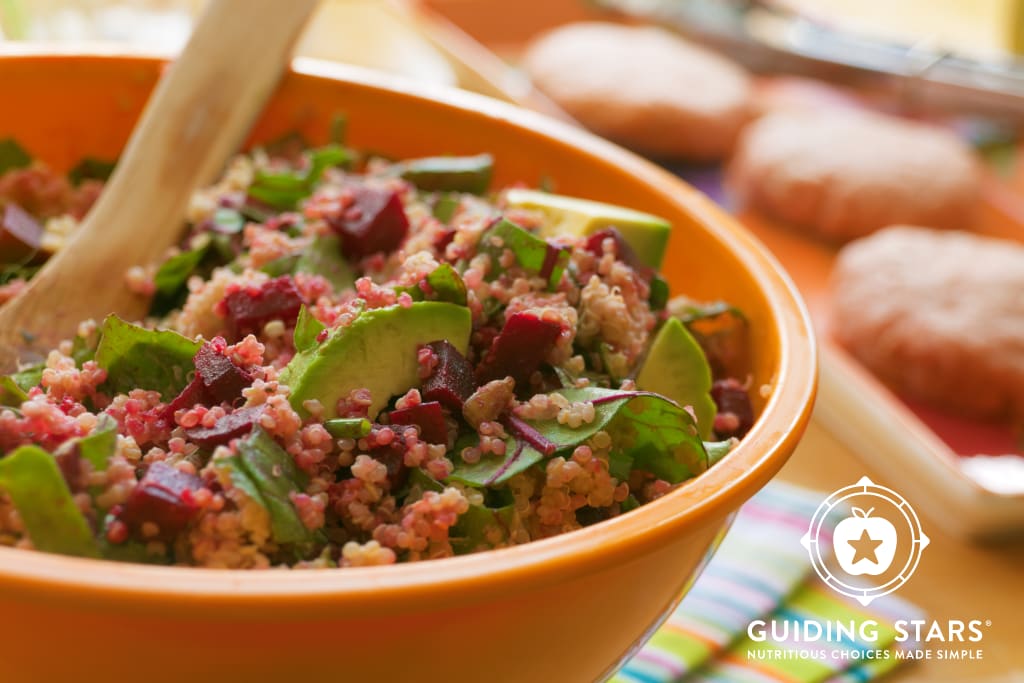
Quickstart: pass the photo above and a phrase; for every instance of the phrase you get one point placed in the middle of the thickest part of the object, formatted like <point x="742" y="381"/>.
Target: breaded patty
<point x="643" y="87"/>
<point x="844" y="174"/>
<point x="938" y="315"/>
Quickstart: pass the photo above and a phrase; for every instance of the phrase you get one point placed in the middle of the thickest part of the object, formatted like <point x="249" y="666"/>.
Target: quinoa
<point x="222" y="457"/>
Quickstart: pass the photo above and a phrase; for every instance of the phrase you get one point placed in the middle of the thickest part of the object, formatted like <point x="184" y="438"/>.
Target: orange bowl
<point x="568" y="608"/>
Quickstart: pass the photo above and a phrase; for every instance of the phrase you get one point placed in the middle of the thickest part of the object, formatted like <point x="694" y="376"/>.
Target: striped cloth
<point x="762" y="572"/>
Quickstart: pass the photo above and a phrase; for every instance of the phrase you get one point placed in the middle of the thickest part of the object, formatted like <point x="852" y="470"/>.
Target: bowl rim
<point x="707" y="498"/>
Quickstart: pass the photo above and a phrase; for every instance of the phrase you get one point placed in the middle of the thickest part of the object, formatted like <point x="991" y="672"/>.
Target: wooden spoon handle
<point x="196" y="118"/>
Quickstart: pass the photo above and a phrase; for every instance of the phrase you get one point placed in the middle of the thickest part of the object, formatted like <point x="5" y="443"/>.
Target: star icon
<point x="865" y="548"/>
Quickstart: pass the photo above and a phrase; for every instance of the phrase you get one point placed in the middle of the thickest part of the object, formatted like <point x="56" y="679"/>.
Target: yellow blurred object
<point x="980" y="28"/>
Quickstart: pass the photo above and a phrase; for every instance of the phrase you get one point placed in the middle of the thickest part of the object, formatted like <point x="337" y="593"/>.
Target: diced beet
<point x="69" y="462"/>
<point x="735" y="413"/>
<point x="392" y="454"/>
<point x="192" y="395"/>
<point x="20" y="234"/>
<point x="623" y="251"/>
<point x="231" y="426"/>
<point x="250" y="308"/>
<point x="551" y="255"/>
<point x="375" y="222"/>
<point x="442" y="241"/>
<point x="428" y="417"/>
<point x="163" y="497"/>
<point x="222" y="379"/>
<point x="519" y="350"/>
<point x="451" y="382"/>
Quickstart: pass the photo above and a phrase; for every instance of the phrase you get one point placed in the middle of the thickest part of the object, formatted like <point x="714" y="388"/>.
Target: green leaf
<point x="31" y="478"/>
<point x="29" y="377"/>
<point x="659" y="293"/>
<point x="175" y="271"/>
<point x="91" y="168"/>
<point x="447" y="285"/>
<point x="532" y="252"/>
<point x="268" y="475"/>
<point x="470" y="174"/>
<point x="307" y="329"/>
<point x="719" y="449"/>
<point x="100" y="444"/>
<point x="283" y="265"/>
<point x="658" y="434"/>
<point x="13" y="155"/>
<point x="323" y="257"/>
<point x="348" y="427"/>
<point x="689" y="311"/>
<point x="137" y="358"/>
<point x="470" y="532"/>
<point x="492" y="470"/>
<point x="285" y="189"/>
<point x="11" y="394"/>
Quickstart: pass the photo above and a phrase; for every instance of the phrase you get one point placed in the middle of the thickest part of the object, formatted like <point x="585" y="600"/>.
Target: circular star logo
<point x="865" y="530"/>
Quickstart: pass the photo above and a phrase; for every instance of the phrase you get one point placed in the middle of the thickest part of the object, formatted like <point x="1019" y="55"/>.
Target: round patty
<point x="938" y="315"/>
<point x="844" y="174"/>
<point x="643" y="87"/>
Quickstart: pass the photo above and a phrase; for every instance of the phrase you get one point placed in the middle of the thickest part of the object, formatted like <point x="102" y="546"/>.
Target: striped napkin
<point x="761" y="572"/>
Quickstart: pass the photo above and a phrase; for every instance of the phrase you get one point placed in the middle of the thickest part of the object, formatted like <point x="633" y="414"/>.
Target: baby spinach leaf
<point x="137" y="358"/>
<point x="323" y="257"/>
<point x="532" y="252"/>
<point x="470" y="531"/>
<point x="282" y="265"/>
<point x="91" y="168"/>
<point x="493" y="470"/>
<point x="11" y="394"/>
<point x="658" y="434"/>
<point x="173" y="273"/>
<point x="13" y="155"/>
<point x="31" y="478"/>
<point x="227" y="221"/>
<point x="285" y="189"/>
<point x="29" y="377"/>
<point x="100" y="444"/>
<point x="268" y="475"/>
<point x="719" y="449"/>
<point x="307" y="329"/>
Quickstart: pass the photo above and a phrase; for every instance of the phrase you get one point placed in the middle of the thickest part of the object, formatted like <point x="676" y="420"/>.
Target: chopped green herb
<point x="13" y="155"/>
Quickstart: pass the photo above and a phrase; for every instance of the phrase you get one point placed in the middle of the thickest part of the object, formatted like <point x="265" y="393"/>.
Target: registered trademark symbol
<point x="988" y="622"/>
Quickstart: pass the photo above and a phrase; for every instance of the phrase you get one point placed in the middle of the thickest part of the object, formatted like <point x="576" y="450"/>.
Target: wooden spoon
<point x="196" y="118"/>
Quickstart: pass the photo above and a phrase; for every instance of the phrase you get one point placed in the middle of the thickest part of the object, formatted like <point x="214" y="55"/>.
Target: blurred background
<point x="952" y="65"/>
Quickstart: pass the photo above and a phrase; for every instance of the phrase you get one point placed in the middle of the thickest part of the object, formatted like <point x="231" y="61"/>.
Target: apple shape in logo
<point x="864" y="544"/>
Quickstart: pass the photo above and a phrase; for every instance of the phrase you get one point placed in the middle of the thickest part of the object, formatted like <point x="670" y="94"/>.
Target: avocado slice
<point x="677" y="369"/>
<point x="450" y="174"/>
<point x="645" y="233"/>
<point x="378" y="351"/>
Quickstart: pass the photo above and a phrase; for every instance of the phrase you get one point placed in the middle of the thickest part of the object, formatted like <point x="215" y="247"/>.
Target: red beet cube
<point x="451" y="382"/>
<point x="250" y="308"/>
<point x="623" y="251"/>
<point x="520" y="349"/>
<point x="428" y="417"/>
<point x="222" y="379"/>
<point x="163" y="497"/>
<point x="231" y="426"/>
<point x="735" y="413"/>
<point x="375" y="222"/>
